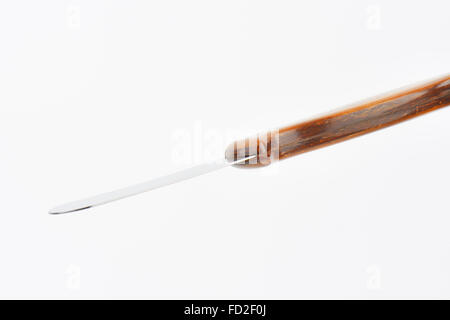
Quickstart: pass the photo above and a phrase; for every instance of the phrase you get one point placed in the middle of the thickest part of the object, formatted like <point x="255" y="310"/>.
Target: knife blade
<point x="145" y="186"/>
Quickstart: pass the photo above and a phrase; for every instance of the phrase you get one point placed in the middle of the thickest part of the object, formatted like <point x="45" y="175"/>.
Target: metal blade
<point x="143" y="187"/>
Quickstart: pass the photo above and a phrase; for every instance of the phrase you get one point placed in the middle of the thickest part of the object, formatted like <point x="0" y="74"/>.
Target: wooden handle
<point x="352" y="122"/>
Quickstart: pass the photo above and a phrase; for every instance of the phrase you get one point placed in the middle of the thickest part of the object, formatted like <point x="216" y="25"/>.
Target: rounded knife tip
<point x="61" y="210"/>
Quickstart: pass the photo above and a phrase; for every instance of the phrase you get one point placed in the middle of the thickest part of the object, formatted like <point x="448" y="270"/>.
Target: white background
<point x="93" y="92"/>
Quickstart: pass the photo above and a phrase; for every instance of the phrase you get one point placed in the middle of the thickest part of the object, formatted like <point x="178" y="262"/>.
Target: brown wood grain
<point x="341" y="125"/>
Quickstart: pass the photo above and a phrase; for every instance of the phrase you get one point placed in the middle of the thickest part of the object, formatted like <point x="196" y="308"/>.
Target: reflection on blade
<point x="143" y="187"/>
